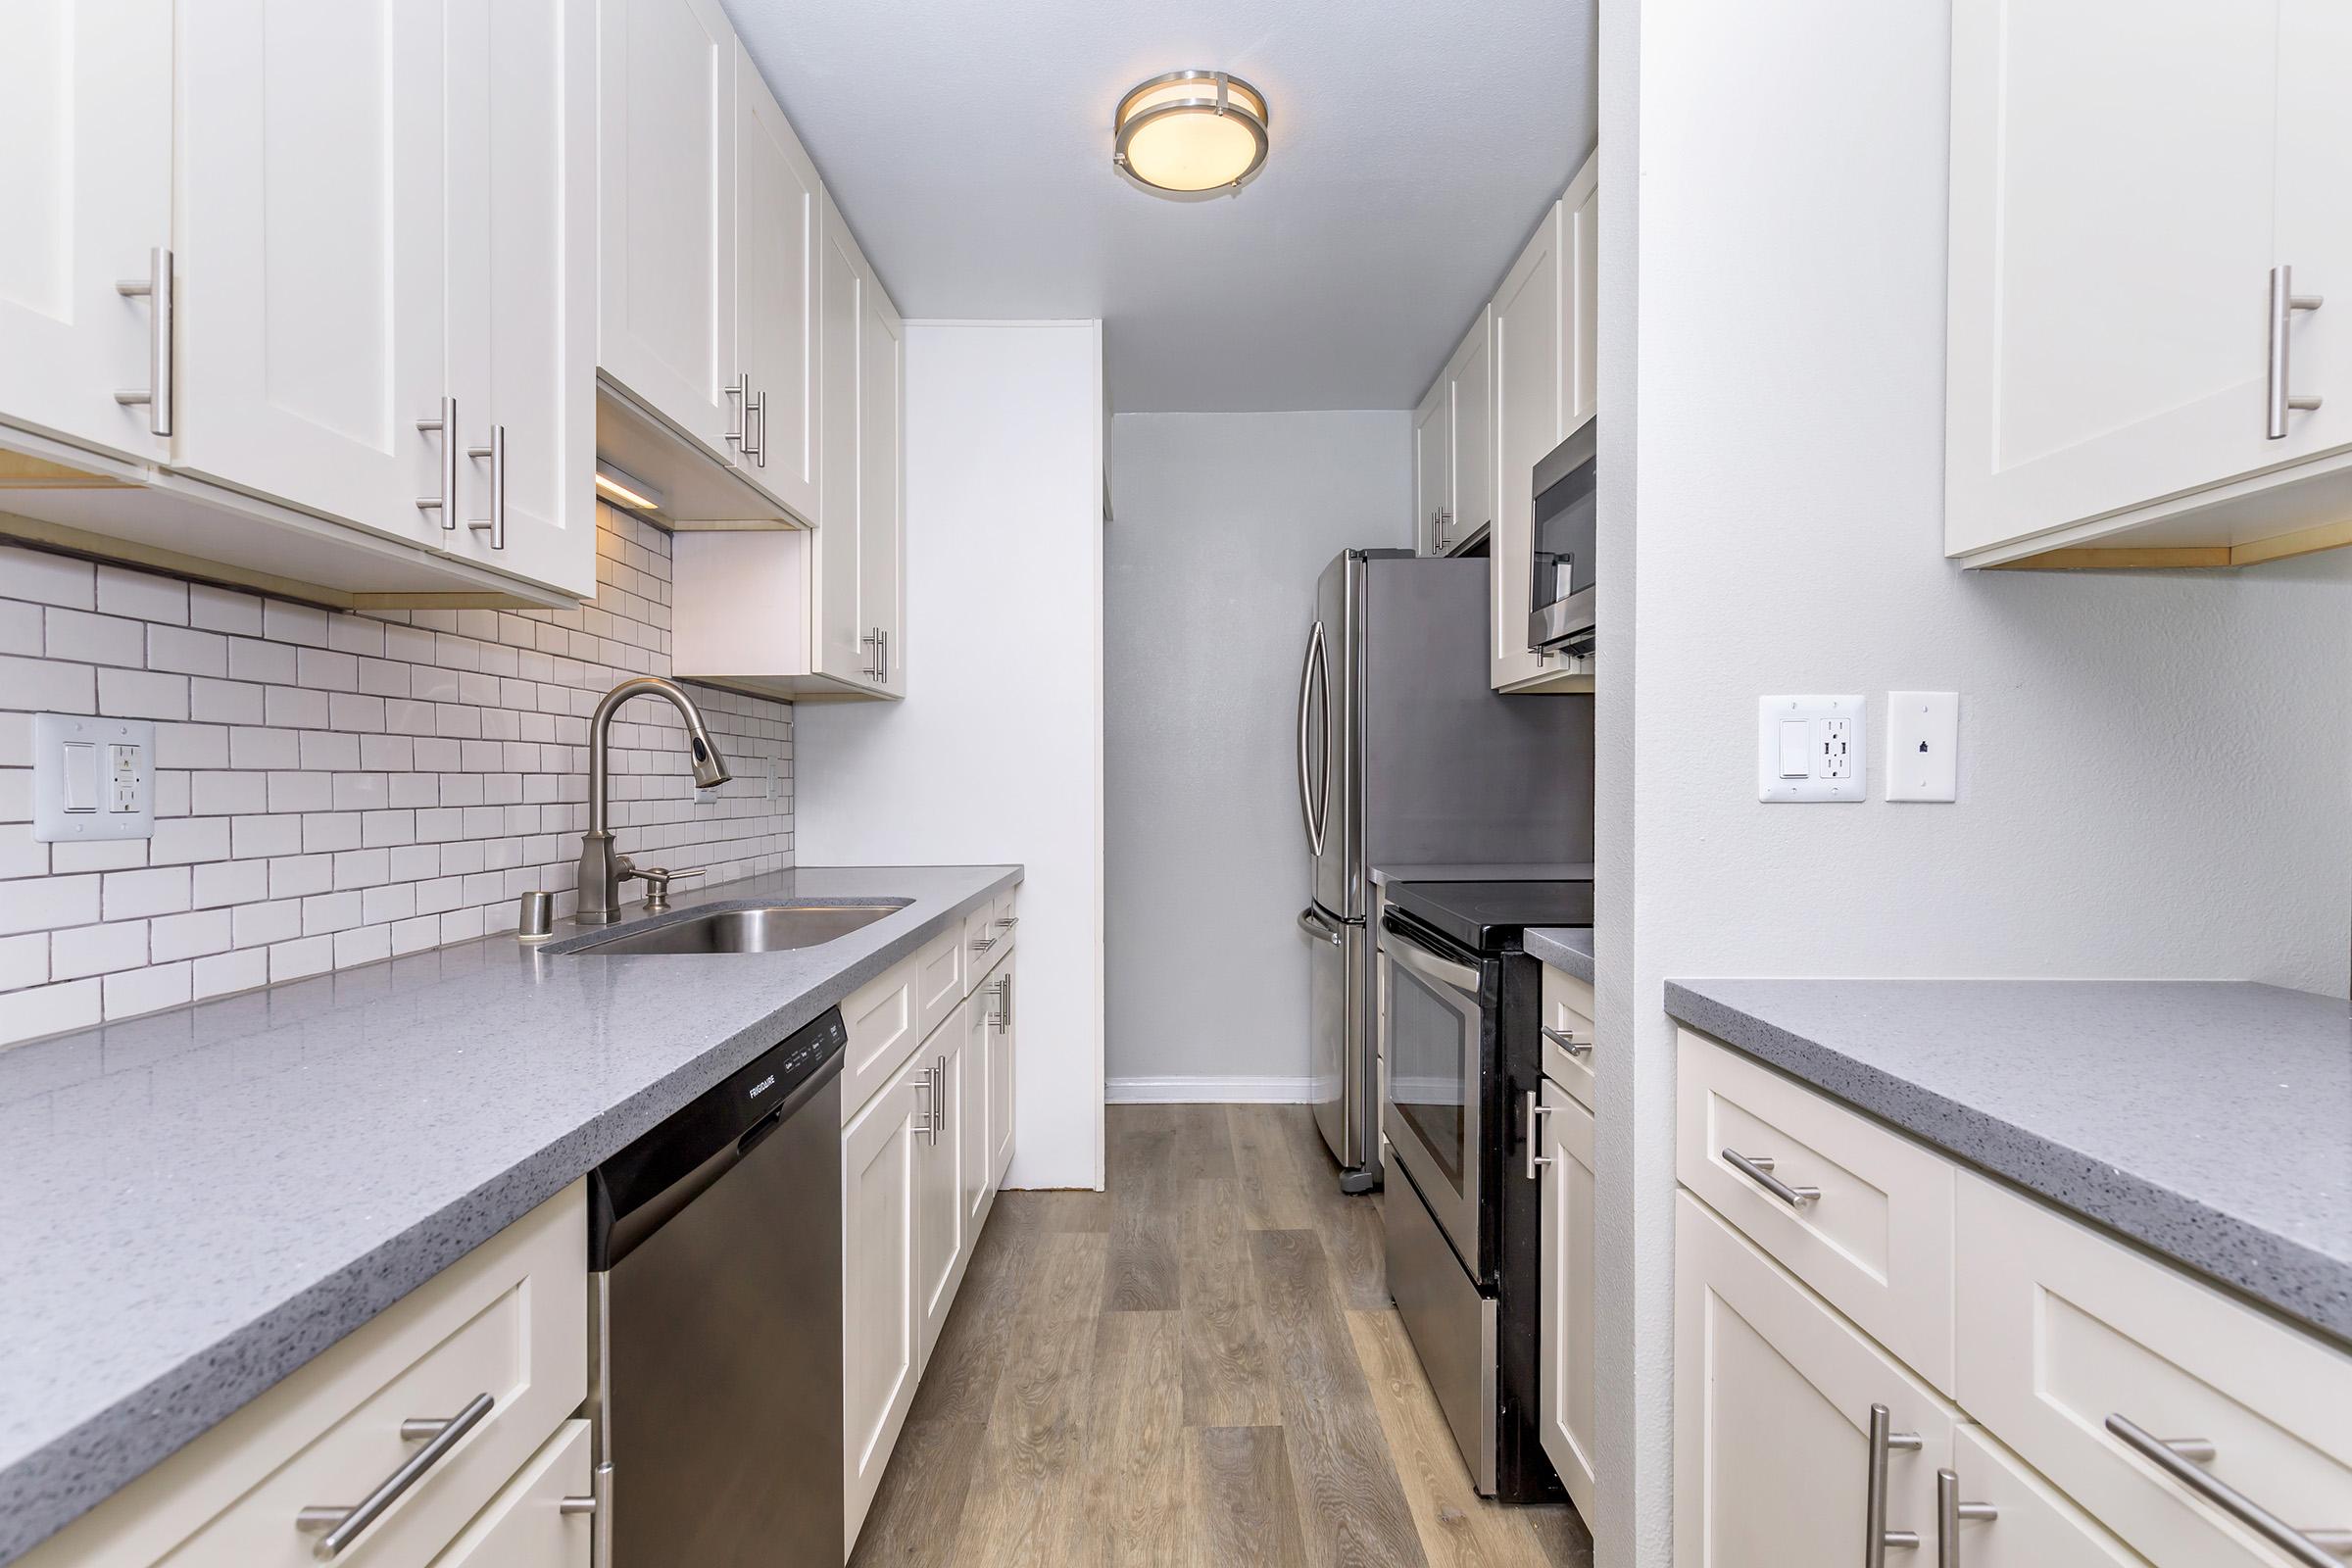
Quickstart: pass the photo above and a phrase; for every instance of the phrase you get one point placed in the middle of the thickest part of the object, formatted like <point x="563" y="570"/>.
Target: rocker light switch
<point x="92" y="779"/>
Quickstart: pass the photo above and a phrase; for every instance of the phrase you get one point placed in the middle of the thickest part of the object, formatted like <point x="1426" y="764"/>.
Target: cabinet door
<point x="1566" y="1345"/>
<point x="881" y="514"/>
<point x="86" y="113"/>
<point x="775" y="293"/>
<point x="1000" y="1073"/>
<point x="1530" y="411"/>
<point x="521" y="289"/>
<point x="665" y="131"/>
<point x="840" y="643"/>
<point x="1470" y="385"/>
<point x="939" y="1228"/>
<point x="974" y="1144"/>
<point x="1433" y="470"/>
<point x="1771" y="1419"/>
<point x="526" y="1524"/>
<point x="2114" y="171"/>
<point x="2315" y="221"/>
<point x="311" y="254"/>
<point x="2033" y="1525"/>
<point x="880" y="1151"/>
<point x="1580" y="327"/>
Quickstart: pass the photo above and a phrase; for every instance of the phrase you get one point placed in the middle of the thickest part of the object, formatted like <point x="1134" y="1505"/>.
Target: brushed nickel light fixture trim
<point x="1190" y="131"/>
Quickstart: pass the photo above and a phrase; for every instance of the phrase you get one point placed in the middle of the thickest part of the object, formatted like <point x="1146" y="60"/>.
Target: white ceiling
<point x="1415" y="143"/>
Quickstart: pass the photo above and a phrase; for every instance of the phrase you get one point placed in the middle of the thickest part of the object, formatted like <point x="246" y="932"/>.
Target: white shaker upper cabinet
<point x="311" y="254"/>
<point x="1580" y="212"/>
<point x="1433" y="470"/>
<point x="522" y="338"/>
<point x="2127" y="177"/>
<point x="777" y="210"/>
<point x="1470" y="389"/>
<point x="881" y="484"/>
<point x="1531" y="418"/>
<point x="666" y="128"/>
<point x="86" y="113"/>
<point x="838" y="639"/>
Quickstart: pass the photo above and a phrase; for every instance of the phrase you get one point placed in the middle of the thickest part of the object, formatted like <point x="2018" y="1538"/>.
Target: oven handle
<point x="1427" y="964"/>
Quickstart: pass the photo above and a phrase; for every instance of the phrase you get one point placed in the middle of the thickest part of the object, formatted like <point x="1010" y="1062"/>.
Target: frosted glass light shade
<point x="1191" y="130"/>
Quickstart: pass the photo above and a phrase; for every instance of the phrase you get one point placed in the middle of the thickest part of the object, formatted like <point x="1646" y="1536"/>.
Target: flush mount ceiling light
<point x="1191" y="130"/>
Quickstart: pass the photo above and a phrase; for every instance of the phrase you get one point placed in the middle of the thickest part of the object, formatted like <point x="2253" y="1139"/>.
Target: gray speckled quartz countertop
<point x="2210" y="1121"/>
<point x="195" y="1204"/>
<point x="1567" y="948"/>
<point x="1539" y="871"/>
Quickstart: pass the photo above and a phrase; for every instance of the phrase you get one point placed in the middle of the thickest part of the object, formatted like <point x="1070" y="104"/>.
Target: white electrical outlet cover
<point x="79" y="791"/>
<point x="1836" y="749"/>
<point x="1923" y="746"/>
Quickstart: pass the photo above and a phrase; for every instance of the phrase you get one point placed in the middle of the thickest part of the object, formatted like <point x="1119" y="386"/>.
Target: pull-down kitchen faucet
<point x="602" y="871"/>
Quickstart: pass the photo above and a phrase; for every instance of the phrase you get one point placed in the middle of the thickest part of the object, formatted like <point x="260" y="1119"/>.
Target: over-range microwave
<point x="1562" y="596"/>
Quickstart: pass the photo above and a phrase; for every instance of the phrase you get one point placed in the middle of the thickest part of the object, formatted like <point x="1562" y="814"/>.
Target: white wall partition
<point x="996" y="753"/>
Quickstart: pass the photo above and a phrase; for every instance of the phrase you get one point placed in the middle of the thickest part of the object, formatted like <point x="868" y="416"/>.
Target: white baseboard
<point x="1209" y="1091"/>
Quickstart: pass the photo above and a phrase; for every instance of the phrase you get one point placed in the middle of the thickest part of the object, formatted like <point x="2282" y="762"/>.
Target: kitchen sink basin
<point x="769" y="928"/>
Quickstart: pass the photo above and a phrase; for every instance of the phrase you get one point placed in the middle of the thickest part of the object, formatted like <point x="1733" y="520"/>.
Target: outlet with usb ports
<point x="1810" y="749"/>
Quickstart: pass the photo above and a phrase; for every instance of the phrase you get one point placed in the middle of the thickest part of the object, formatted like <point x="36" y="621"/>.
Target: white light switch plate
<point x="1923" y="746"/>
<point x="92" y="779"/>
<point x="1811" y="748"/>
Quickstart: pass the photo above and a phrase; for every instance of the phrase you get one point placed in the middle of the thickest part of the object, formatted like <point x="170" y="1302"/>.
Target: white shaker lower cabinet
<point x="87" y="187"/>
<point x="1565" y="1356"/>
<point x="2018" y="1520"/>
<point x="1779" y="1454"/>
<point x="976" y="1183"/>
<point x="942" y="1236"/>
<point x="526" y="1526"/>
<point x="1000" y="1057"/>
<point x="498" y="1340"/>
<point x="881" y="1348"/>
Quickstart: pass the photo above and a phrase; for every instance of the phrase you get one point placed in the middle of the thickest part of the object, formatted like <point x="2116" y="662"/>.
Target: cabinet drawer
<point x="1877" y="1240"/>
<point x="1007" y="916"/>
<point x="983" y="943"/>
<point x="885" y="1021"/>
<point x="2063" y="1329"/>
<point x="509" y="1321"/>
<point x="1568" y="1014"/>
<point x="525" y="1526"/>
<point x="2033" y="1526"/>
<point x="941" y="978"/>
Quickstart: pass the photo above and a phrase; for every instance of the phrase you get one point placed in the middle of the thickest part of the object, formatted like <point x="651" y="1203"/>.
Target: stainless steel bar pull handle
<point x="922" y="1084"/>
<point x="939" y="1098"/>
<point x="446" y="428"/>
<point x="2183" y="1459"/>
<point x="1951" y="1514"/>
<point x="2281" y="399"/>
<point x="873" y="643"/>
<point x="1537" y="1111"/>
<point x="739" y="392"/>
<point x="343" y="1526"/>
<point x="495" y="524"/>
<point x="1757" y="1168"/>
<point x="1876" y="1538"/>
<point x="1566" y="1040"/>
<point x="156" y="289"/>
<point x="1006" y="983"/>
<point x="755" y="416"/>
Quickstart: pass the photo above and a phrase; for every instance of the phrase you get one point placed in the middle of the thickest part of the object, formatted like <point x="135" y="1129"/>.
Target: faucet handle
<point x="656" y="880"/>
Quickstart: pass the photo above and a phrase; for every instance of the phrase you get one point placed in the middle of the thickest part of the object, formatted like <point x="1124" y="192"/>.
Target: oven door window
<point x="1434" y="1043"/>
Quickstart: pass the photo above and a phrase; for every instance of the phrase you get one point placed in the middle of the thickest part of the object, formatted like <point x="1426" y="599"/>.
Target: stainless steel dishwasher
<point x="715" y="1251"/>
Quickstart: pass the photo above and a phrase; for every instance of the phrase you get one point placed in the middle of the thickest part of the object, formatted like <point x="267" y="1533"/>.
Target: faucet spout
<point x="600" y="869"/>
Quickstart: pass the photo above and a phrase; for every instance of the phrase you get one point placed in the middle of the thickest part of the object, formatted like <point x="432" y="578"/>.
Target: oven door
<point x="1433" y="1055"/>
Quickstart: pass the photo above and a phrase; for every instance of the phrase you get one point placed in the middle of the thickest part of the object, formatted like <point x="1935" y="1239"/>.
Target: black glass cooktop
<point x="1487" y="916"/>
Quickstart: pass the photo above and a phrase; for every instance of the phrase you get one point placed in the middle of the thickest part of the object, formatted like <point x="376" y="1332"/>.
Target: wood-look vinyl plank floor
<point x="1197" y="1367"/>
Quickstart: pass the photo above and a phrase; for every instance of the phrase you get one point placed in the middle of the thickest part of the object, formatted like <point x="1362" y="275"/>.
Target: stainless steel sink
<point x="771" y="928"/>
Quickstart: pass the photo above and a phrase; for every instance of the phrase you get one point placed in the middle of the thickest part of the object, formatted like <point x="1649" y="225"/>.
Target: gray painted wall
<point x="2153" y="776"/>
<point x="1220" y="525"/>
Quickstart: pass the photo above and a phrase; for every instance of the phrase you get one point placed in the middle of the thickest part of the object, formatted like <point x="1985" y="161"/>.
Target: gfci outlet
<point x="1811" y="748"/>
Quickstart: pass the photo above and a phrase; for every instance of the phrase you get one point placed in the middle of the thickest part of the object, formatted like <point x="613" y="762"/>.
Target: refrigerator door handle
<point x="1315" y="673"/>
<point x="1311" y="921"/>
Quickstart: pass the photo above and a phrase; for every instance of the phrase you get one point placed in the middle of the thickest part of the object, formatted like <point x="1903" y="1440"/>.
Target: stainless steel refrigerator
<point x="1407" y="758"/>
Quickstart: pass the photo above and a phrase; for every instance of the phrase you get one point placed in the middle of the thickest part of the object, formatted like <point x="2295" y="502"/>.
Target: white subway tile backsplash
<point x="335" y="788"/>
